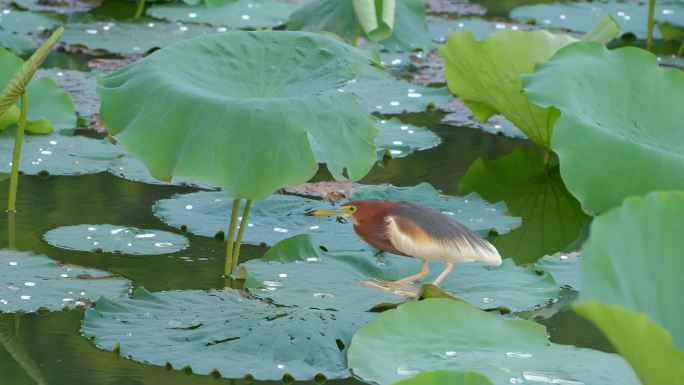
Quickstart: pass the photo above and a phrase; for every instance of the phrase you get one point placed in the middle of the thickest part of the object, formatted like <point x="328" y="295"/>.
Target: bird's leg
<point x="447" y="269"/>
<point x="416" y="277"/>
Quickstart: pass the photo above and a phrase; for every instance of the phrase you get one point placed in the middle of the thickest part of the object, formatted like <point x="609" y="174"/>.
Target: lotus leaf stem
<point x="241" y="231"/>
<point x="11" y="230"/>
<point x="140" y="10"/>
<point x="649" y="31"/>
<point x="231" y="234"/>
<point x="14" y="176"/>
<point x="357" y="34"/>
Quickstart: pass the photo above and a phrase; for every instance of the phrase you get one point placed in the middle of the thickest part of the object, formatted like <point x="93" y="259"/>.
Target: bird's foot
<point x="395" y="287"/>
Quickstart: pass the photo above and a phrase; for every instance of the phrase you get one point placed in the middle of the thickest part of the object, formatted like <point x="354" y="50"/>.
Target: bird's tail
<point x="490" y="254"/>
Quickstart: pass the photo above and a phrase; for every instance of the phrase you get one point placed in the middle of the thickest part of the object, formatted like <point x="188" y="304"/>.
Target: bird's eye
<point x="351" y="209"/>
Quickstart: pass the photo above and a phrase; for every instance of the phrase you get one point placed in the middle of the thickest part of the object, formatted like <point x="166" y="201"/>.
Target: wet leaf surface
<point x="116" y="239"/>
<point x="29" y="281"/>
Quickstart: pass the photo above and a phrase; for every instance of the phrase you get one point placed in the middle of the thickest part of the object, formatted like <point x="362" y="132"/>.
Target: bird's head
<point x="356" y="210"/>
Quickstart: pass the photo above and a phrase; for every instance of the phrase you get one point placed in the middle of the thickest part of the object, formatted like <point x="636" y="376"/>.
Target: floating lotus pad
<point x="631" y="271"/>
<point x="581" y="17"/>
<point x="644" y="132"/>
<point x="18" y="44"/>
<point x="115" y="239"/>
<point x="282" y="216"/>
<point x="200" y="329"/>
<point x="59" y="155"/>
<point x="240" y="14"/>
<point x="56" y="6"/>
<point x="29" y="281"/>
<point x="440" y="27"/>
<point x="296" y="272"/>
<point x="80" y="85"/>
<point x="442" y="334"/>
<point x="128" y="167"/>
<point x="21" y="22"/>
<point x="564" y="268"/>
<point x="130" y="38"/>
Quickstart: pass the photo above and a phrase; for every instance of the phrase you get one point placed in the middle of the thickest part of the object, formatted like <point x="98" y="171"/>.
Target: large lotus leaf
<point x="18" y="44"/>
<point x="58" y="155"/>
<point x="21" y="22"/>
<point x="247" y="133"/>
<point x="81" y="87"/>
<point x="222" y="331"/>
<point x="128" y="167"/>
<point x="486" y="76"/>
<point x="282" y="216"/>
<point x="49" y="106"/>
<point x="632" y="271"/>
<point x="552" y="217"/>
<point x="440" y="27"/>
<point x="442" y="334"/>
<point x="296" y="272"/>
<point x="605" y="130"/>
<point x="441" y="377"/>
<point x="564" y="268"/>
<point x="29" y="282"/>
<point x="10" y="325"/>
<point x="236" y="15"/>
<point x="580" y="17"/>
<point x="130" y="38"/>
<point x="338" y="16"/>
<point x="115" y="239"/>
<point x="386" y="94"/>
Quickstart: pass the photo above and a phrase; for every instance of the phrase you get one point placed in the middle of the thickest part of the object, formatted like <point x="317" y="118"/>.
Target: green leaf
<point x="296" y="272"/>
<point x="29" y="281"/>
<point x="281" y="216"/>
<point x="442" y="377"/>
<point x="669" y="31"/>
<point x="552" y="217"/>
<point x="582" y="16"/>
<point x="442" y="334"/>
<point x="128" y="167"/>
<point x="234" y="15"/>
<point x="486" y="76"/>
<point x="564" y="268"/>
<point x="130" y="38"/>
<point x="24" y="23"/>
<point x="339" y="17"/>
<point x="631" y="272"/>
<point x="9" y="338"/>
<point x="248" y="134"/>
<point x="221" y="331"/>
<point x="376" y="17"/>
<point x="18" y="44"/>
<point x="605" y="130"/>
<point x="115" y="239"/>
<point x="58" y="155"/>
<point x="604" y="31"/>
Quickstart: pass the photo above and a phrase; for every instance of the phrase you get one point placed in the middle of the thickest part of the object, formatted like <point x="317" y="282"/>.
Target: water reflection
<point x="552" y="217"/>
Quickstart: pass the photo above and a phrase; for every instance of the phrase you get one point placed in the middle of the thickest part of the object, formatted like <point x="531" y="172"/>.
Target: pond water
<point x="49" y="348"/>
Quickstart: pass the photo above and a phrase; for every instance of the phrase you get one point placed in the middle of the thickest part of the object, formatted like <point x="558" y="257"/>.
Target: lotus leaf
<point x="9" y="339"/>
<point x="81" y="87"/>
<point x="115" y="239"/>
<point x="441" y="377"/>
<point x="59" y="155"/>
<point x="21" y="22"/>
<point x="248" y="134"/>
<point x="282" y="216"/>
<point x="57" y="6"/>
<point x="235" y="15"/>
<point x="30" y="281"/>
<point x="385" y="94"/>
<point x="440" y="27"/>
<point x="376" y="18"/>
<point x="222" y="331"/>
<point x="339" y="17"/>
<point x="644" y="131"/>
<point x="50" y="106"/>
<point x="632" y="270"/>
<point x="486" y="76"/>
<point x="564" y="268"/>
<point x="442" y="334"/>
<point x="296" y="272"/>
<point x="552" y="218"/>
<point x="127" y="167"/>
<point x="581" y="16"/>
<point x="130" y="38"/>
<point x="18" y="44"/>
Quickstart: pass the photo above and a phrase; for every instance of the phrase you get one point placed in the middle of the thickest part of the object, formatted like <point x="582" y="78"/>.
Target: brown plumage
<point x="413" y="230"/>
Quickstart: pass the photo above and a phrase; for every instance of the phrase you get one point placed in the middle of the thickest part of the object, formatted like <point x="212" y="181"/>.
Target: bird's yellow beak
<point x="327" y="213"/>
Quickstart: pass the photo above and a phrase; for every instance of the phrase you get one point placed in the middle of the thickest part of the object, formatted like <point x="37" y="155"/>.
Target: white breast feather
<point x="438" y="251"/>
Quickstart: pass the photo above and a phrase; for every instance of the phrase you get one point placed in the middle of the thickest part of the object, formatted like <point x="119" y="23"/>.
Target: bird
<point x="413" y="230"/>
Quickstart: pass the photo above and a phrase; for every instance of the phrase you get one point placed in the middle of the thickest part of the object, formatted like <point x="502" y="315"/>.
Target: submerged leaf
<point x="115" y="239"/>
<point x="605" y="130"/>
<point x="29" y="282"/>
<point x="632" y="271"/>
<point x="486" y="76"/>
<point x="222" y="331"/>
<point x="248" y="133"/>
<point x="442" y="334"/>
